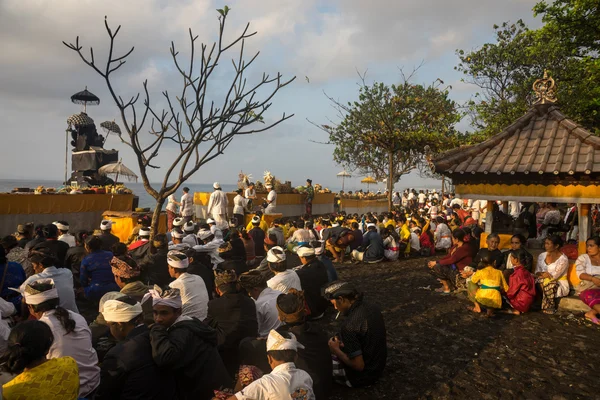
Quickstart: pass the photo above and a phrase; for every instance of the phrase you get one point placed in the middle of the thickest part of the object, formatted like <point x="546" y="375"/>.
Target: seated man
<point x="372" y="249"/>
<point x="285" y="381"/>
<point x="359" y="351"/>
<point x="337" y="240"/>
<point x="313" y="276"/>
<point x="193" y="290"/>
<point x="233" y="315"/>
<point x="141" y="247"/>
<point x="284" y="279"/>
<point x="209" y="244"/>
<point x="265" y="299"/>
<point x="185" y="347"/>
<point x="128" y="371"/>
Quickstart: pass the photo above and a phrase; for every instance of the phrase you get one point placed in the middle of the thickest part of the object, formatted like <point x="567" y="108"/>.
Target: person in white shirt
<point x="284" y="279"/>
<point x="209" y="244"/>
<point x="415" y="243"/>
<point x="250" y="193"/>
<point x="239" y="208"/>
<point x="187" y="205"/>
<point x="72" y="336"/>
<point x="265" y="299"/>
<point x="189" y="234"/>
<point x="192" y="287"/>
<point x="43" y="261"/>
<point x="421" y="196"/>
<point x="217" y="207"/>
<point x="456" y="200"/>
<point x="171" y="210"/>
<point x="514" y="208"/>
<point x="7" y="309"/>
<point x="214" y="229"/>
<point x="63" y="233"/>
<point x="285" y="380"/>
<point x="271" y="200"/>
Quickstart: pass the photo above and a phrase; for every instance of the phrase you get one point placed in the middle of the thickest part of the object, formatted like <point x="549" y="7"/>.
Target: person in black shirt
<point x="493" y="241"/>
<point x="58" y="248"/>
<point x="258" y="236"/>
<point x="108" y="239"/>
<point x="359" y="351"/>
<point x="313" y="276"/>
<point x="75" y="255"/>
<point x="155" y="270"/>
<point x="200" y="265"/>
<point x="233" y="316"/>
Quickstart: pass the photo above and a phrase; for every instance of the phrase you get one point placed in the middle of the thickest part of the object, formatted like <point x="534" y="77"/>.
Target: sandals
<point x="593" y="320"/>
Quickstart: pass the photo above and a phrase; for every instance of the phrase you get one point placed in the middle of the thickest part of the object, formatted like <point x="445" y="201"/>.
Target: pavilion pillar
<point x="489" y="216"/>
<point x="583" y="213"/>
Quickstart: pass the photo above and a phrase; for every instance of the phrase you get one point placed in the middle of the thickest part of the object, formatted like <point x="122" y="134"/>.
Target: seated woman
<point x="38" y="376"/>
<point x="521" y="284"/>
<point x="447" y="268"/>
<point x="486" y="285"/>
<point x="301" y="237"/>
<point x="551" y="273"/>
<point x="492" y="241"/>
<point x="391" y="250"/>
<point x="96" y="276"/>
<point x="517" y="242"/>
<point x="426" y="239"/>
<point x="442" y="234"/>
<point x="588" y="271"/>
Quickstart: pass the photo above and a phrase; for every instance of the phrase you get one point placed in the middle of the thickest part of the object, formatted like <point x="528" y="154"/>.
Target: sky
<point x="326" y="41"/>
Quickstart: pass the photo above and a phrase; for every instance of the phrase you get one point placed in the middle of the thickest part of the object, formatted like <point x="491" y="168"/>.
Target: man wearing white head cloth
<point x="108" y="239"/>
<point x="194" y="295"/>
<point x="209" y="243"/>
<point x="217" y="206"/>
<point x="284" y="279"/>
<point x="285" y="380"/>
<point x="72" y="336"/>
<point x="128" y="370"/>
<point x="186" y="347"/>
<point x="271" y="199"/>
<point x="63" y="233"/>
<point x="189" y="234"/>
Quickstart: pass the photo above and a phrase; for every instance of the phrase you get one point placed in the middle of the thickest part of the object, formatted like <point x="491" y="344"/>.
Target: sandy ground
<point x="439" y="350"/>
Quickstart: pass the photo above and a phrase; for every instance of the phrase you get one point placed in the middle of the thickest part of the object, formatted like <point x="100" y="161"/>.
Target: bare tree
<point x="201" y="128"/>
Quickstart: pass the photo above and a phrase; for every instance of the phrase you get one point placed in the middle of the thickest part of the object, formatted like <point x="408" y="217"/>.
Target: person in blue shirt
<point x="96" y="274"/>
<point x="11" y="275"/>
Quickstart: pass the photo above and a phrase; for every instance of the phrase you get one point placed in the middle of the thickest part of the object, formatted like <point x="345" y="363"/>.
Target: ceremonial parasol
<point x="111" y="127"/>
<point x="369" y="180"/>
<point x="79" y="120"/>
<point x="118" y="169"/>
<point x="344" y="174"/>
<point x="85" y="97"/>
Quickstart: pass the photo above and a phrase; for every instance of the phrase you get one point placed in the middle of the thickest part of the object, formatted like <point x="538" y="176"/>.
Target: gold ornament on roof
<point x="545" y="90"/>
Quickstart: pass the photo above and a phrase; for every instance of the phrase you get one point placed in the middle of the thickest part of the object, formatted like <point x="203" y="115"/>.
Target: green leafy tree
<point x="504" y="71"/>
<point x="390" y="130"/>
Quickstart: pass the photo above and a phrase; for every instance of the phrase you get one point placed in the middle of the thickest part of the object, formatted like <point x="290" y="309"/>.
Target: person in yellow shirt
<point x="485" y="285"/>
<point x="404" y="234"/>
<point x="263" y="225"/>
<point x="38" y="378"/>
<point x="389" y="221"/>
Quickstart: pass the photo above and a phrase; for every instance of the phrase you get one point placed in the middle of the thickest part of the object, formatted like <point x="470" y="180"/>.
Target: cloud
<point x="322" y="39"/>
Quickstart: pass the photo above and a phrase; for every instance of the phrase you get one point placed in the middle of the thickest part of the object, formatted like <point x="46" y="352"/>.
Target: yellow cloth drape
<point x="62" y="203"/>
<point x="123" y="225"/>
<point x="57" y="379"/>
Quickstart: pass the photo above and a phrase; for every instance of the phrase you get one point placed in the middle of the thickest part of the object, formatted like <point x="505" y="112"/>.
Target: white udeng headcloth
<point x="118" y="311"/>
<point x="277" y="342"/>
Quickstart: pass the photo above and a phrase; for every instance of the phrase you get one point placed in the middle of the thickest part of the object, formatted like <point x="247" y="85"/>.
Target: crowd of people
<point x="220" y="309"/>
<point x="196" y="313"/>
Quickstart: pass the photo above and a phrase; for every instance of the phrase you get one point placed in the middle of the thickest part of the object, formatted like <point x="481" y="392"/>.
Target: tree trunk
<point x="390" y="182"/>
<point x="156" y="217"/>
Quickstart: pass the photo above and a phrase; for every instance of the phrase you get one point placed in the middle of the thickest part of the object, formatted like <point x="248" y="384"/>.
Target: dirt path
<point x="439" y="350"/>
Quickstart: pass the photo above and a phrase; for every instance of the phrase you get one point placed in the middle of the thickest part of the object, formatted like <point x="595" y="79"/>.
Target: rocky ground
<point x="437" y="349"/>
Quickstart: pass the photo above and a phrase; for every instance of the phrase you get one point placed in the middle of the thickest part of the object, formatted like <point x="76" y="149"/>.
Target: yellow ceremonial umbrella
<point x="369" y="180"/>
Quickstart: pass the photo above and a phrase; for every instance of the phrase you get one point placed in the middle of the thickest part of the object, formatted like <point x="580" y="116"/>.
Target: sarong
<point x="590" y="297"/>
